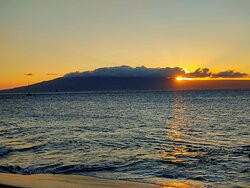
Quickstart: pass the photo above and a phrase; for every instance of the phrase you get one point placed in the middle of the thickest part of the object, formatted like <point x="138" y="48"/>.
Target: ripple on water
<point x="189" y="135"/>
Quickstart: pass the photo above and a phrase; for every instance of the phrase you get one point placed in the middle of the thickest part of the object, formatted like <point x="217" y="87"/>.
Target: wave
<point x="4" y="151"/>
<point x="7" y="150"/>
<point x="27" y="148"/>
<point x="64" y="169"/>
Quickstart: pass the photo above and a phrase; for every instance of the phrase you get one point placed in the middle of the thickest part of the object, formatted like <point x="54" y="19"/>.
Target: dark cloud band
<point x="127" y="71"/>
<point x="229" y="74"/>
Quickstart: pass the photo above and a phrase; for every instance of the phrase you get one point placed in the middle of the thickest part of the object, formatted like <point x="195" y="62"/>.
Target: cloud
<point x="229" y="74"/>
<point x="200" y="73"/>
<point x="51" y="74"/>
<point x="29" y="74"/>
<point x="127" y="71"/>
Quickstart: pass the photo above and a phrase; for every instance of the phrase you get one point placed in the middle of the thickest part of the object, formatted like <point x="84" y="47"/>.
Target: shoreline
<point x="65" y="181"/>
<point x="8" y="180"/>
<point x="77" y="181"/>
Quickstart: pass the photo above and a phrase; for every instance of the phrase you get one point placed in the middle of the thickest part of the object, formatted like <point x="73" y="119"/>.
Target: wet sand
<point x="63" y="181"/>
<point x="76" y="181"/>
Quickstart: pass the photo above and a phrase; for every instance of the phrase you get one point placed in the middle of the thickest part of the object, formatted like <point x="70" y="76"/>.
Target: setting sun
<point x="179" y="78"/>
<point x="154" y="91"/>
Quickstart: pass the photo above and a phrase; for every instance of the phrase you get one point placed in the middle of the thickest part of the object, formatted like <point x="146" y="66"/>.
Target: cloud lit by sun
<point x="186" y="70"/>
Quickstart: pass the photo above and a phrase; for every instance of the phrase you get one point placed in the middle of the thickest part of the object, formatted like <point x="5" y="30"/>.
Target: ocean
<point x="129" y="135"/>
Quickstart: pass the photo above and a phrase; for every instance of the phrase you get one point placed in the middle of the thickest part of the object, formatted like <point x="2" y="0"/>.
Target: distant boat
<point x="28" y="94"/>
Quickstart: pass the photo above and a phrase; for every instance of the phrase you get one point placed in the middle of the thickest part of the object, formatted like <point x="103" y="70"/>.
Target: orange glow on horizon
<point x="179" y="78"/>
<point x="17" y="79"/>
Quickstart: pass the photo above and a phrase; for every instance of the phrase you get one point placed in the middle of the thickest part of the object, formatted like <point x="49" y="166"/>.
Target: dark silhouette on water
<point x="28" y="94"/>
<point x="28" y="88"/>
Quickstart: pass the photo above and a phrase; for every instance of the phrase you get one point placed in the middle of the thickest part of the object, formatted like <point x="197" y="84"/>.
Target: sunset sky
<point x="44" y="39"/>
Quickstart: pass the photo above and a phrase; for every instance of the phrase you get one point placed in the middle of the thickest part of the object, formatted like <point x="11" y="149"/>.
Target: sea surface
<point x="136" y="136"/>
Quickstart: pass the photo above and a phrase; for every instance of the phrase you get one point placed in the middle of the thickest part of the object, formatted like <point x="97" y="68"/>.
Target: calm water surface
<point x="137" y="136"/>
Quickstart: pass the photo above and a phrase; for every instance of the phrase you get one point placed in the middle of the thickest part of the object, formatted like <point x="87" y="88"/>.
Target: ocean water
<point x="135" y="136"/>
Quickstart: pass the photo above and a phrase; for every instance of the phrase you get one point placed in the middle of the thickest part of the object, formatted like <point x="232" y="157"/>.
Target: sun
<point x="179" y="78"/>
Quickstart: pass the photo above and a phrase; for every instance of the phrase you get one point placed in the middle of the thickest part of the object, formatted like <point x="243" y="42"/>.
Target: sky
<point x="44" y="39"/>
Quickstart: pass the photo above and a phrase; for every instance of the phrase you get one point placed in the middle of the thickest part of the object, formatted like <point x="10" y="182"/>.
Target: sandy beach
<point x="61" y="181"/>
<point x="76" y="181"/>
<point x="49" y="180"/>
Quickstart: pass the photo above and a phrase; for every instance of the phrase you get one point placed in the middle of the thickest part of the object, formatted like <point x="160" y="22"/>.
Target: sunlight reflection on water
<point x="193" y="136"/>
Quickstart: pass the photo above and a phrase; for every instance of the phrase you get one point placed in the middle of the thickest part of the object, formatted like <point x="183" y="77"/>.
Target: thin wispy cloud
<point x="28" y="74"/>
<point x="127" y="71"/>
